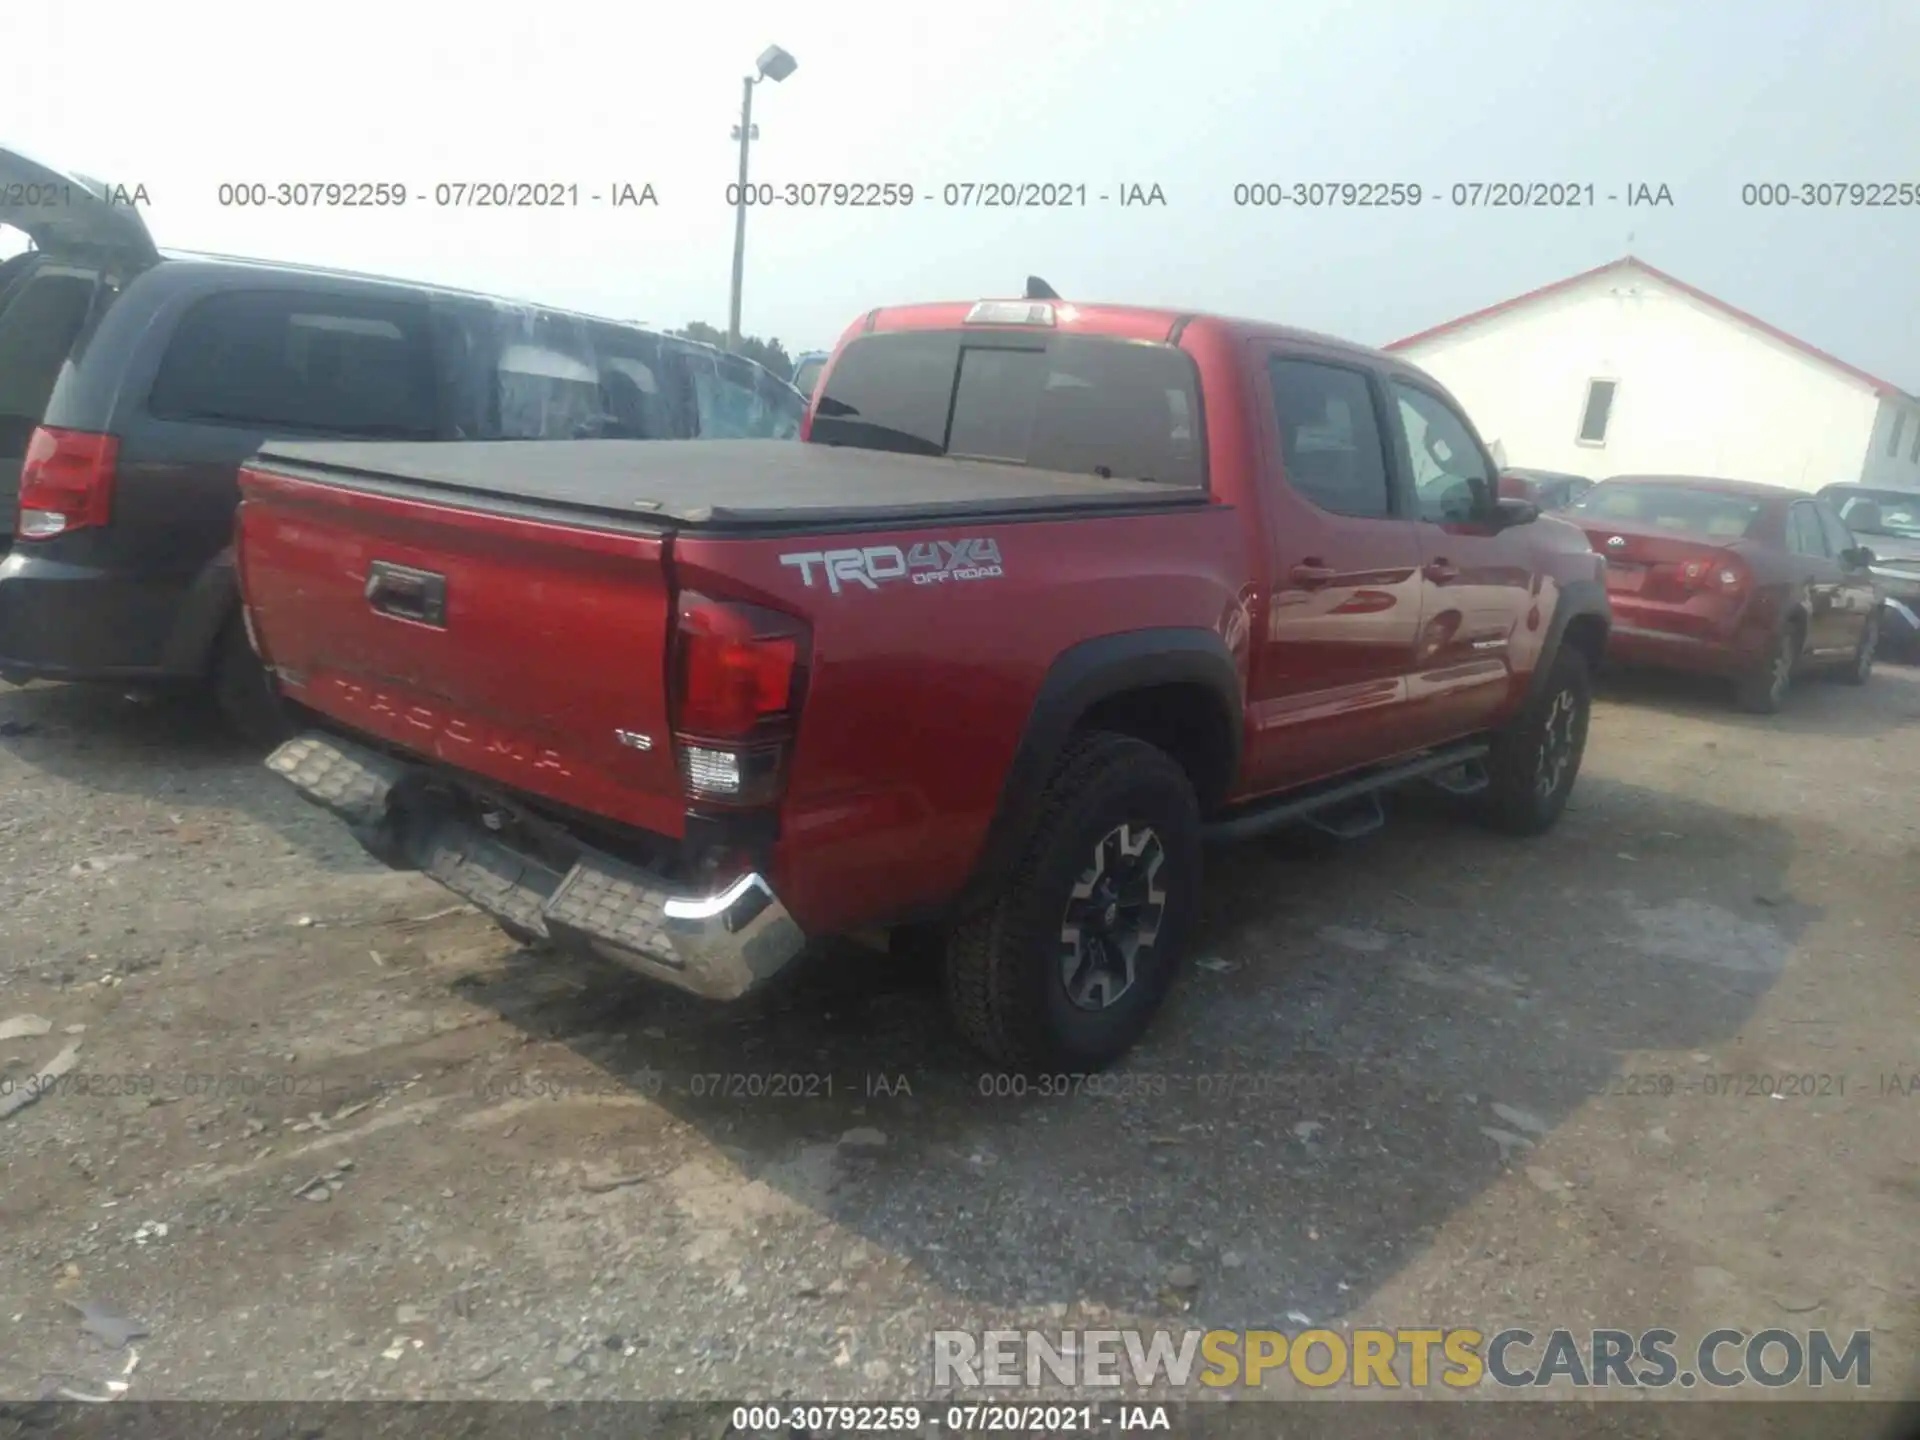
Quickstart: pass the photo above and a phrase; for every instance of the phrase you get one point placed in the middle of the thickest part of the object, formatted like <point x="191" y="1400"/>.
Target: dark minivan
<point x="133" y="382"/>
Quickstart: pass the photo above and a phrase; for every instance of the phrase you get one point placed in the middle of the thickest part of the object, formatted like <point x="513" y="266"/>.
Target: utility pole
<point x="774" y="64"/>
<point x="745" y="131"/>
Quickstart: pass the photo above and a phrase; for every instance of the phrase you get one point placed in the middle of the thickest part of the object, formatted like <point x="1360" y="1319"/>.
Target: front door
<point x="1476" y="579"/>
<point x="1343" y="606"/>
<point x="1856" y="599"/>
<point x="1817" y="571"/>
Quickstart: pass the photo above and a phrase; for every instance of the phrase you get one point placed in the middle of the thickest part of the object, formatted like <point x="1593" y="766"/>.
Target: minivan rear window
<point x="1082" y="404"/>
<point x="333" y="364"/>
<point x="517" y="372"/>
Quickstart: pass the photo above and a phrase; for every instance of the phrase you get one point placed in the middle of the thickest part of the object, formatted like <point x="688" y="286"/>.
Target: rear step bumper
<point x="719" y="945"/>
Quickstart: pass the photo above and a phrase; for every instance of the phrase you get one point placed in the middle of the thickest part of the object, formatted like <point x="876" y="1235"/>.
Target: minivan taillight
<point x="66" y="482"/>
<point x="738" y="675"/>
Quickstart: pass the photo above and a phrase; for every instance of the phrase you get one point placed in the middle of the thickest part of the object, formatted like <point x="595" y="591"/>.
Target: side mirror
<point x="1509" y="512"/>
<point x="1859" y="558"/>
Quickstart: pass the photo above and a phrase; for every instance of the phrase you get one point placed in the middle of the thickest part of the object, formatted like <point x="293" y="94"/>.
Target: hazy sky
<point x="1701" y="95"/>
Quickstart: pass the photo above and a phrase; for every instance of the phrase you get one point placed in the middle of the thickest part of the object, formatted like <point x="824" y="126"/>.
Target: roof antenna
<point x="1038" y="289"/>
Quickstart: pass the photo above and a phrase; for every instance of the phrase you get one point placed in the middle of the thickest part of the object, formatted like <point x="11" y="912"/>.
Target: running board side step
<point x="1354" y="820"/>
<point x="1333" y="807"/>
<point x="1469" y="778"/>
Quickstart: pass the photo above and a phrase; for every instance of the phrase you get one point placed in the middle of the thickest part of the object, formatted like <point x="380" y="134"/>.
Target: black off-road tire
<point x="244" y="692"/>
<point x="1536" y="759"/>
<point x="1860" y="669"/>
<point x="1004" y="974"/>
<point x="1763" y="690"/>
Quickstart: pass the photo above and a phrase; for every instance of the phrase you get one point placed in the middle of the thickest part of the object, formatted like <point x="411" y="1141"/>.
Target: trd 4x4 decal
<point x="928" y="563"/>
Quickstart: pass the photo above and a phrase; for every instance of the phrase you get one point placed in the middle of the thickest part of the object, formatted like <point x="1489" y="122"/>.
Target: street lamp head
<point x="776" y="64"/>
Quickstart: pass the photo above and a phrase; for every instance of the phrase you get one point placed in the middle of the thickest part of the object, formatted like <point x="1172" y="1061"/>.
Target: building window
<point x="1893" y="440"/>
<point x="1593" y="421"/>
<point x="1913" y="455"/>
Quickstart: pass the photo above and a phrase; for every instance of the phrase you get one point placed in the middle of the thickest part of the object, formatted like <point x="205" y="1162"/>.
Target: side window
<point x="1803" y="532"/>
<point x="331" y="364"/>
<point x="1451" y="480"/>
<point x="733" y="404"/>
<point x="546" y="381"/>
<point x="1839" y="538"/>
<point x="1330" y="446"/>
<point x="638" y="400"/>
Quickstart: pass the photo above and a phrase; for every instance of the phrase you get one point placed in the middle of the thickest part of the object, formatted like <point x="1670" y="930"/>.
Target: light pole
<point x="774" y="64"/>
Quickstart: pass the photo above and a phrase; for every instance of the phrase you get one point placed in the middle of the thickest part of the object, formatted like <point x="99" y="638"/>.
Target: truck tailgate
<point x="527" y="651"/>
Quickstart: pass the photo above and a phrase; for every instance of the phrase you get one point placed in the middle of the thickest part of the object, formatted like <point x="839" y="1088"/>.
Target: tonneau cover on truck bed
<point x="717" y="484"/>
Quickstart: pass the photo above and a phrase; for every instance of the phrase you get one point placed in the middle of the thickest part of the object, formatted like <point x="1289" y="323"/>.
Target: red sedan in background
<point x="1756" y="583"/>
<point x="1551" y="490"/>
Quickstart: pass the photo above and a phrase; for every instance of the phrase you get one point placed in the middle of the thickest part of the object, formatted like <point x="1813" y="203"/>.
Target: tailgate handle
<point x="408" y="594"/>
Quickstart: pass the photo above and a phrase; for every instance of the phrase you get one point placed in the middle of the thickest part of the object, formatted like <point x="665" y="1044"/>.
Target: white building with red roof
<point x="1625" y="369"/>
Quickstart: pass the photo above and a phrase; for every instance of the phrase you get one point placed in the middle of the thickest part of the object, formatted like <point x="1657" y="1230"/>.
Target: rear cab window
<point x="1121" y="409"/>
<point x="336" y="364"/>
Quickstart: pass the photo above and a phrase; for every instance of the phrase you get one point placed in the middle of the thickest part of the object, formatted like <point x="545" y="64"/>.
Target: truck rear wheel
<point x="1536" y="760"/>
<point x="1067" y="967"/>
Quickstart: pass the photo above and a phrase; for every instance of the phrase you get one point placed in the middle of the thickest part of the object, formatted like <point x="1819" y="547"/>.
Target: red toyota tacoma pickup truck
<point x="1052" y="596"/>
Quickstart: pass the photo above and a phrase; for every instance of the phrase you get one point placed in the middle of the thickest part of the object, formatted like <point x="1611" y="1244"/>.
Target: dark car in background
<point x="1755" y="583"/>
<point x="134" y="381"/>
<point x="1551" y="490"/>
<point x="1888" y="523"/>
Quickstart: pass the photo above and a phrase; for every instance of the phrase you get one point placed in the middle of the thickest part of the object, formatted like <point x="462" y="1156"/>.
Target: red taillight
<point x="66" y="483"/>
<point x="737" y="676"/>
<point x="1723" y="573"/>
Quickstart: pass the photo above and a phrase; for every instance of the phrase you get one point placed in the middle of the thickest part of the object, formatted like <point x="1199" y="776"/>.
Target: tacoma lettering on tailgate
<point x="928" y="563"/>
<point x="473" y="736"/>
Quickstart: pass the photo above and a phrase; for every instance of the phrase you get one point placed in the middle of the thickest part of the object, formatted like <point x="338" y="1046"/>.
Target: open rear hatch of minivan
<point x="85" y="233"/>
<point x="529" y="652"/>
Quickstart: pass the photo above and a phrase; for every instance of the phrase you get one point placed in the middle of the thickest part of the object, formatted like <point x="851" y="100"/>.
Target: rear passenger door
<point x="1328" y="688"/>
<point x="1817" y="573"/>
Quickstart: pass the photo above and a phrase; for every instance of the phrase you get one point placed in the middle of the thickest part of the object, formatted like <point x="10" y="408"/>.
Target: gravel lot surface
<point x="326" y="1135"/>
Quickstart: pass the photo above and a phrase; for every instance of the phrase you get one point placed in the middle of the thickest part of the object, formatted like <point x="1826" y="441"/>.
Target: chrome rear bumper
<point x="720" y="945"/>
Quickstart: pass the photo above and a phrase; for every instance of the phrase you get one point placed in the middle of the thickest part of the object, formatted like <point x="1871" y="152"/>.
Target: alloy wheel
<point x="1558" y="739"/>
<point x="1114" y="912"/>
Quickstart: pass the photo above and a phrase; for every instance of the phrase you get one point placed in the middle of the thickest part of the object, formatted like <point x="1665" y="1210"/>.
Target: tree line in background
<point x="769" y="353"/>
